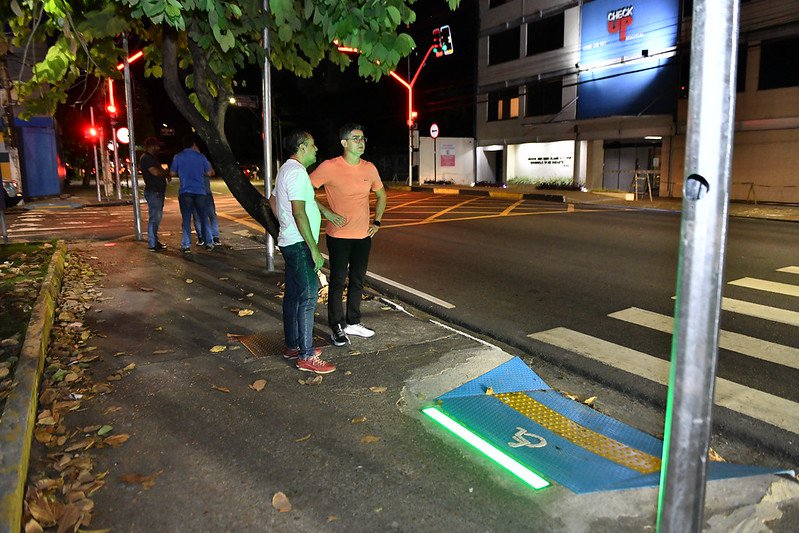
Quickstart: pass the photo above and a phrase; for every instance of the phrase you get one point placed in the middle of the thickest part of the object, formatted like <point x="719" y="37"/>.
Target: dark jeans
<point x="213" y="223"/>
<point x="348" y="258"/>
<point x="189" y="202"/>
<point x="299" y="300"/>
<point x="155" y="211"/>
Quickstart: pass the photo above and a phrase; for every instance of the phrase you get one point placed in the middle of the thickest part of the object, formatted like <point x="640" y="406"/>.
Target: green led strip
<point x="512" y="465"/>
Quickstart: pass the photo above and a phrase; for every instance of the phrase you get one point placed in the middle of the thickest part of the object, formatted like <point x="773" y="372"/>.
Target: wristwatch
<point x="376" y="223"/>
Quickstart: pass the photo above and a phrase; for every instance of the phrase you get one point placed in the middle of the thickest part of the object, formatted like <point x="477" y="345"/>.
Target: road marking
<point x="766" y="312"/>
<point x="405" y="288"/>
<point x="790" y="269"/>
<point x="769" y="286"/>
<point x="448" y="209"/>
<point x="728" y="340"/>
<point x="771" y="409"/>
<point x="406" y="203"/>
<point x="510" y="208"/>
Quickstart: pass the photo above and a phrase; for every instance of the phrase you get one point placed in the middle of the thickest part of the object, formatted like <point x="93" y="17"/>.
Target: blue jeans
<point x="299" y="301"/>
<point x="212" y="221"/>
<point x="189" y="203"/>
<point x="155" y="211"/>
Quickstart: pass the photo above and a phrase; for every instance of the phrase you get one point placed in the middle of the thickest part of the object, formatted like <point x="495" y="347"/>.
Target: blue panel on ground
<point x="550" y="452"/>
<point x="511" y="376"/>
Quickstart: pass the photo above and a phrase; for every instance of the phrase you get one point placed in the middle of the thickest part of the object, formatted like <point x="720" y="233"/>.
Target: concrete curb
<point x="499" y="193"/>
<point x="19" y="415"/>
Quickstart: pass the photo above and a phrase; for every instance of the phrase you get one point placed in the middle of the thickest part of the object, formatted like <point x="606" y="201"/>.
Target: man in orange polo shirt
<point x="348" y="181"/>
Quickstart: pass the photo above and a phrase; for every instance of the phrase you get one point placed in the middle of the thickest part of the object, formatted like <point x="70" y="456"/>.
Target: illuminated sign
<point x="626" y="58"/>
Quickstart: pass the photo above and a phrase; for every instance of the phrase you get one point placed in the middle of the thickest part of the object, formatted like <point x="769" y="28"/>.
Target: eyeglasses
<point x="357" y="139"/>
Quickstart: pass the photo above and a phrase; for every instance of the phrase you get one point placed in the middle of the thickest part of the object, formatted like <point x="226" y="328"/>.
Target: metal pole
<point x="134" y="179"/>
<point x="410" y="155"/>
<point x="116" y="160"/>
<point x="709" y="143"/>
<point x="435" y="161"/>
<point x="94" y="149"/>
<point x="267" y="138"/>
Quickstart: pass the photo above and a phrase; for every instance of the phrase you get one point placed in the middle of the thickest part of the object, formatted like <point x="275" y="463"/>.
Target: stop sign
<point x="434" y="131"/>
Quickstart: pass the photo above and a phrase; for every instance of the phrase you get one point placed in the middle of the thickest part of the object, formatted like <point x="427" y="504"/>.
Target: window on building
<point x="496" y="3"/>
<point x="779" y="64"/>
<point x="545" y="35"/>
<point x="740" y="80"/>
<point x="544" y="98"/>
<point x="504" y="46"/>
<point x="503" y="105"/>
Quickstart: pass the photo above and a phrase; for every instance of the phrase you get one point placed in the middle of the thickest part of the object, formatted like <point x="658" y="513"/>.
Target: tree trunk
<point x="222" y="156"/>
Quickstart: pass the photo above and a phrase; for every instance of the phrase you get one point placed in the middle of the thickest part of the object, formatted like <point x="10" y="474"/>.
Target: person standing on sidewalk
<point x="294" y="203"/>
<point x="213" y="223"/>
<point x="348" y="181"/>
<point x="192" y="167"/>
<point x="155" y="180"/>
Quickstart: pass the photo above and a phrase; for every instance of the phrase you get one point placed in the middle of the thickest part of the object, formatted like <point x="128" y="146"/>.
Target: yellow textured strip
<point x="592" y="441"/>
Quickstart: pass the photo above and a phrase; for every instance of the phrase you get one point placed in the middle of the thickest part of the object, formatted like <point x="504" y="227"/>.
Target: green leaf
<point x="394" y="13"/>
<point x="284" y="33"/>
<point x="105" y="429"/>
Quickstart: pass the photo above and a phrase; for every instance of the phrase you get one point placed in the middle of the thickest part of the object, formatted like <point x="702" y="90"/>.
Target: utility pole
<point x="95" y="140"/>
<point x="134" y="181"/>
<point x="694" y="352"/>
<point x="267" y="138"/>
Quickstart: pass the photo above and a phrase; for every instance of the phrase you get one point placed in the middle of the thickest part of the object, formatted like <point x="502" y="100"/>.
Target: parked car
<point x="11" y="193"/>
<point x="251" y="171"/>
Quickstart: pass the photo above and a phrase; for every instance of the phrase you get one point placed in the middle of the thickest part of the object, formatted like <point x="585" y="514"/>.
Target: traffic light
<point x="90" y="133"/>
<point x="442" y="41"/>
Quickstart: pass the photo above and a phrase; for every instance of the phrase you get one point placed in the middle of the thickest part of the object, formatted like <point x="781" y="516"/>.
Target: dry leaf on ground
<point x="189" y="280"/>
<point x="220" y="389"/>
<point x="590" y="401"/>
<point x="303" y="438"/>
<point x="358" y="420"/>
<point x="162" y="352"/>
<point x="146" y="289"/>
<point x="370" y="439"/>
<point x="116" y="440"/>
<point x="246" y="312"/>
<point x="218" y="348"/>
<point x="281" y="502"/>
<point x="316" y="380"/>
<point x="258" y="385"/>
<point x="146" y="482"/>
<point x="378" y="389"/>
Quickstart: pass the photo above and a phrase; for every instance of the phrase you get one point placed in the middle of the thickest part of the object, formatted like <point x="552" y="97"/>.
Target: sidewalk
<point x="352" y="453"/>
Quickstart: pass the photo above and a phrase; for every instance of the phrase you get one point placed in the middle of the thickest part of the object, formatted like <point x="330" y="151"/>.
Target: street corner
<point x="452" y="369"/>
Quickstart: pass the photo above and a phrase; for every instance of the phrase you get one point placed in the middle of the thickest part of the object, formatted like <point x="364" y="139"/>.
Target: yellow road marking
<point x="447" y="210"/>
<point x="407" y="203"/>
<point x="510" y="208"/>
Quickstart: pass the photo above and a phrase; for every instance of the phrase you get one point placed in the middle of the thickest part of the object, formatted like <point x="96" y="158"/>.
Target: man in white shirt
<point x="294" y="203"/>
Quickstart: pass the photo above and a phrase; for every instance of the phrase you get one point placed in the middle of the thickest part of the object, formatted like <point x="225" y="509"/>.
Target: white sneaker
<point x="359" y="330"/>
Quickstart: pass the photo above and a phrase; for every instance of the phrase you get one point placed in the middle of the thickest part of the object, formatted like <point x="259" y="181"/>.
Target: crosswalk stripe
<point x="771" y="409"/>
<point x="728" y="340"/>
<point x="775" y="314"/>
<point x="768" y="286"/>
<point x="789" y="270"/>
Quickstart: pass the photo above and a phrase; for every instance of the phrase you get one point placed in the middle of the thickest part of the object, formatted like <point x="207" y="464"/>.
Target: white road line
<point x="751" y="402"/>
<point x="728" y="340"/>
<point x="789" y="270"/>
<point x="769" y="286"/>
<point x="420" y="294"/>
<point x="766" y="312"/>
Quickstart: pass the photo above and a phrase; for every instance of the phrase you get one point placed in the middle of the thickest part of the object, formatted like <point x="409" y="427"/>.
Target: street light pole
<point x="267" y="138"/>
<point x="131" y="142"/>
<point x="94" y="149"/>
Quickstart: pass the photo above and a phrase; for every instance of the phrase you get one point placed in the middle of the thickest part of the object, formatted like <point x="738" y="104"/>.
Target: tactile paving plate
<point x="270" y="343"/>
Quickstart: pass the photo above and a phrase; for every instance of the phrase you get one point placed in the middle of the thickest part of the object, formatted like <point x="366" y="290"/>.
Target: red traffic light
<point x="93" y="132"/>
<point x="111" y="108"/>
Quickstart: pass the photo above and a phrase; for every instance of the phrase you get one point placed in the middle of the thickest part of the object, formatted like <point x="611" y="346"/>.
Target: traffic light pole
<point x="94" y="149"/>
<point x="409" y="86"/>
<point x="694" y="352"/>
<point x="134" y="181"/>
<point x="267" y="139"/>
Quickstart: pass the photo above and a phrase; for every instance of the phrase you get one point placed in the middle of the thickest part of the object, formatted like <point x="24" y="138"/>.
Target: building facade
<point x="595" y="93"/>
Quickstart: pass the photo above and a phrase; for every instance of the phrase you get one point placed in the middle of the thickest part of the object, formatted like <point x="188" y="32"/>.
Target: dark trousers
<point x="348" y="258"/>
<point x="299" y="299"/>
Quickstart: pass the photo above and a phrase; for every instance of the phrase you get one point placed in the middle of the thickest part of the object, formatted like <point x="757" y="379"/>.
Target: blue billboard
<point x="627" y="58"/>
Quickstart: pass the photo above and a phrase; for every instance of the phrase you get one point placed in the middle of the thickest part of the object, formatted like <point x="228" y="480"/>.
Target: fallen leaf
<point x="223" y="279"/>
<point x="713" y="455"/>
<point x="258" y="385"/>
<point x="146" y="482"/>
<point x="116" y="440"/>
<point x="490" y="391"/>
<point x="354" y="352"/>
<point x="303" y="438"/>
<point x="316" y="380"/>
<point x="146" y="289"/>
<point x="189" y="280"/>
<point x="159" y="328"/>
<point x="129" y="367"/>
<point x="378" y="389"/>
<point x="250" y="294"/>
<point x="218" y="348"/>
<point x="281" y="502"/>
<point x="220" y="389"/>
<point x="358" y="420"/>
<point x="590" y="401"/>
<point x="188" y="299"/>
<point x="332" y="518"/>
<point x="120" y="354"/>
<point x="33" y="527"/>
<point x="105" y="429"/>
<point x="246" y="312"/>
<point x="370" y="439"/>
<point x="348" y="373"/>
<point x="162" y="352"/>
